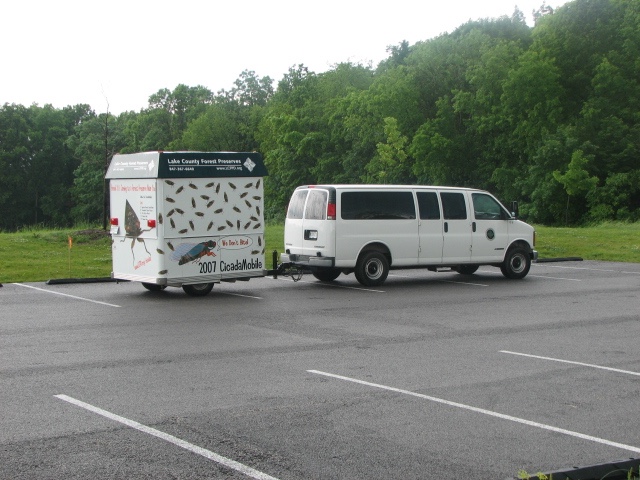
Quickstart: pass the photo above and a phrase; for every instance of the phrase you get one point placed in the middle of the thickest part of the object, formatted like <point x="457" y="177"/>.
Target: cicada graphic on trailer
<point x="132" y="229"/>
<point x="193" y="252"/>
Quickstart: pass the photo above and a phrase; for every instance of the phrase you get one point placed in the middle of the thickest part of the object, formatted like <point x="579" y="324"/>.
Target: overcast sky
<point x="118" y="53"/>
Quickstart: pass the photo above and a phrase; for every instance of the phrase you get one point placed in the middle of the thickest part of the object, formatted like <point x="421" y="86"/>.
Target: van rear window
<point x="316" y="205"/>
<point x="296" y="204"/>
<point x="375" y="205"/>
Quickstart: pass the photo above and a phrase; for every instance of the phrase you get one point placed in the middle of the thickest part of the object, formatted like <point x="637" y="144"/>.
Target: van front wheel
<point x="372" y="269"/>
<point x="516" y="264"/>
<point x="327" y="274"/>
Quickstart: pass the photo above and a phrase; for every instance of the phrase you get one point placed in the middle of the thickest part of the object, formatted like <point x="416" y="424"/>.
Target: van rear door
<point x="293" y="232"/>
<point x="430" y="227"/>
<point x="310" y="223"/>
<point x="456" y="226"/>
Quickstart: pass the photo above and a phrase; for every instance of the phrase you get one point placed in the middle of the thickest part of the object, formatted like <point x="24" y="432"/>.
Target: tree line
<point x="547" y="115"/>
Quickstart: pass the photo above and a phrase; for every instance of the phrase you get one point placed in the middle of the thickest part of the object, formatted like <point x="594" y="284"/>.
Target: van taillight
<point x="331" y="211"/>
<point x="114" y="221"/>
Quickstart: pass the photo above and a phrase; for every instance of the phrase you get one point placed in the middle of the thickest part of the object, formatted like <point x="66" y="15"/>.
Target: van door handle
<point x="446" y="227"/>
<point x="473" y="226"/>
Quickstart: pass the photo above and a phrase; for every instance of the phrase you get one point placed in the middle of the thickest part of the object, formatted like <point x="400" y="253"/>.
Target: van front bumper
<point x="534" y="255"/>
<point x="307" y="260"/>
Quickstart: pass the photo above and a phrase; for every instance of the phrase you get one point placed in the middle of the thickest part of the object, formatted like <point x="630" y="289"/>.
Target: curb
<point x="616" y="470"/>
<point x="561" y="259"/>
<point x="61" y="281"/>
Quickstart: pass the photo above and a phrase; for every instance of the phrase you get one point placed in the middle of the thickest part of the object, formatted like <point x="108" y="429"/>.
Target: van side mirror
<point x="514" y="209"/>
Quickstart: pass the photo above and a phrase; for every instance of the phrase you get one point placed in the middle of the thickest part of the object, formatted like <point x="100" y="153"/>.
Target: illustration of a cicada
<point x="189" y="252"/>
<point x="132" y="229"/>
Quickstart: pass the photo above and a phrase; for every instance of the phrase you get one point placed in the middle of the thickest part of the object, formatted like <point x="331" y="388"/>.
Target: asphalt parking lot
<point x="431" y="375"/>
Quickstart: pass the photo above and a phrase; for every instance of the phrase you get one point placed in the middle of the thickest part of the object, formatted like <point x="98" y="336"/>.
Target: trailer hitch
<point x="286" y="269"/>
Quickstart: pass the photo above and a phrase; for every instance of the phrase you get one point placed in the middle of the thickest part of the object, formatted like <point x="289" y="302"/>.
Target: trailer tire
<point x="516" y="263"/>
<point x="372" y="269"/>
<point x="466" y="269"/>
<point x="198" y="289"/>
<point x="326" y="274"/>
<point x="153" y="287"/>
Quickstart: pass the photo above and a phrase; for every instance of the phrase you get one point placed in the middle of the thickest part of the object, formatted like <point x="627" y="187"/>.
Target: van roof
<point x="384" y="187"/>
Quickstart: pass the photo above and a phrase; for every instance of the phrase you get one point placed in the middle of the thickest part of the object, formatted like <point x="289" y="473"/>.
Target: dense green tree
<point x="547" y="115"/>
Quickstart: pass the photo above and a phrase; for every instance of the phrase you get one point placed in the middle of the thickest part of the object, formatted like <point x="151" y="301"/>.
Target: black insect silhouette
<point x="169" y="182"/>
<point x="209" y="185"/>
<point x="179" y="189"/>
<point x="232" y="185"/>
<point x="132" y="229"/>
<point x="195" y="187"/>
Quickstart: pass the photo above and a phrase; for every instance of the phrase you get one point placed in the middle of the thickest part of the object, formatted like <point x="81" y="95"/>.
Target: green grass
<point x="617" y="242"/>
<point x="38" y="255"/>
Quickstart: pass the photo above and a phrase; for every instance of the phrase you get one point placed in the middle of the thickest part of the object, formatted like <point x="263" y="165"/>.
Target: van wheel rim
<point x="518" y="263"/>
<point x="374" y="269"/>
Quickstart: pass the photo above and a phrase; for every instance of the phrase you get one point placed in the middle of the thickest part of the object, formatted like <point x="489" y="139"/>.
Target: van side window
<point x="454" y="206"/>
<point x="316" y="205"/>
<point x="486" y="208"/>
<point x="428" y="205"/>
<point x="296" y="205"/>
<point x="377" y="205"/>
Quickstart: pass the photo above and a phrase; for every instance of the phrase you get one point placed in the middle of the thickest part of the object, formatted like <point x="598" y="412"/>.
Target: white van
<point x="370" y="229"/>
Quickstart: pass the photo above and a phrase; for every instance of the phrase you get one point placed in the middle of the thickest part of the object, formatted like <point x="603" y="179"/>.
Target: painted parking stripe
<point x="334" y="285"/>
<point x="556" y="278"/>
<point x="571" y="362"/>
<point x="67" y="295"/>
<point x="464" y="283"/>
<point x="586" y="268"/>
<point x="483" y="411"/>
<point x="239" y="467"/>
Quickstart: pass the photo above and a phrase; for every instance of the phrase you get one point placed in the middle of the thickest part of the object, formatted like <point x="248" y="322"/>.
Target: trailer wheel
<point x="326" y="274"/>
<point x="466" y="269"/>
<point x="153" y="287"/>
<point x="516" y="263"/>
<point x="372" y="269"/>
<point x="198" y="289"/>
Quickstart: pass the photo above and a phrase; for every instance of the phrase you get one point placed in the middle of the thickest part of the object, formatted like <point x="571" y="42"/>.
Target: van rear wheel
<point x="326" y="274"/>
<point x="466" y="269"/>
<point x="198" y="289"/>
<point x="372" y="269"/>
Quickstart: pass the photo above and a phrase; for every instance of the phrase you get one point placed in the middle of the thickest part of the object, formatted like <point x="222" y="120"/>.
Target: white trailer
<point x="187" y="219"/>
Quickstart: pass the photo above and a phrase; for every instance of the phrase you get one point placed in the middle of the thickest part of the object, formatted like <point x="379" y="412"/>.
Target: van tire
<point x="326" y="274"/>
<point x="516" y="263"/>
<point x="372" y="269"/>
<point x="198" y="289"/>
<point x="466" y="269"/>
<point x="153" y="287"/>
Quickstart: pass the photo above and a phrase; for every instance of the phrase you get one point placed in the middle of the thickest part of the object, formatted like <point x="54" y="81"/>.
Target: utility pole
<point x="105" y="191"/>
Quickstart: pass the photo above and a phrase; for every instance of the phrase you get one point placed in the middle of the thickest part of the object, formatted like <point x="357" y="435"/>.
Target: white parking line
<point x="628" y="372"/>
<point x="464" y="283"/>
<point x="555" y="278"/>
<point x="248" y="471"/>
<point x="585" y="268"/>
<point x="484" y="412"/>
<point x="240" y="295"/>
<point x="67" y="295"/>
<point x="335" y="285"/>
